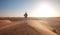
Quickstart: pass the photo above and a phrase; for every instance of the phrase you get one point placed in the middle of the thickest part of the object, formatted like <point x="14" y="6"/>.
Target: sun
<point x="43" y="10"/>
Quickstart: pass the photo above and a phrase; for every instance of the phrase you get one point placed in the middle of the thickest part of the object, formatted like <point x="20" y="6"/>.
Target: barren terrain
<point x="30" y="26"/>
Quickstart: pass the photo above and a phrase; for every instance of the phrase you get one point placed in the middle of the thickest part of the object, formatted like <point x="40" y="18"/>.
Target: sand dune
<point x="33" y="27"/>
<point x="5" y="21"/>
<point x="43" y="29"/>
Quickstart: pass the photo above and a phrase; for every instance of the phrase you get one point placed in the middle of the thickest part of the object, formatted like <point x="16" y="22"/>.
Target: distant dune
<point x="5" y="21"/>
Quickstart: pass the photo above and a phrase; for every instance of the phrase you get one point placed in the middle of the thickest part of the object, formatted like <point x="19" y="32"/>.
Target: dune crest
<point x="5" y="21"/>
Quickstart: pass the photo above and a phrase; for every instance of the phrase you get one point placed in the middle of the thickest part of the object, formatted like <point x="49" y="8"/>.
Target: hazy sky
<point x="16" y="8"/>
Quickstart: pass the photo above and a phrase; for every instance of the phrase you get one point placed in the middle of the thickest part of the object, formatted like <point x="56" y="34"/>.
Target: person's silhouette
<point x="25" y="15"/>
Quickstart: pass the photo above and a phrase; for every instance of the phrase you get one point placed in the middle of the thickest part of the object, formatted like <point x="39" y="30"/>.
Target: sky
<point x="17" y="8"/>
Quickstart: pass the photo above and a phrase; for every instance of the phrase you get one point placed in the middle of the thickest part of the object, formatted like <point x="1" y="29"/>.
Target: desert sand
<point x="28" y="26"/>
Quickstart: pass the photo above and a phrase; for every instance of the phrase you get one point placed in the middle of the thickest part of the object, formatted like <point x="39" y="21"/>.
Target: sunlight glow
<point x="43" y="10"/>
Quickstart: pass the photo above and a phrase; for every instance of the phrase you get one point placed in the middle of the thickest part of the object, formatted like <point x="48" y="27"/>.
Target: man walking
<point x="25" y="15"/>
